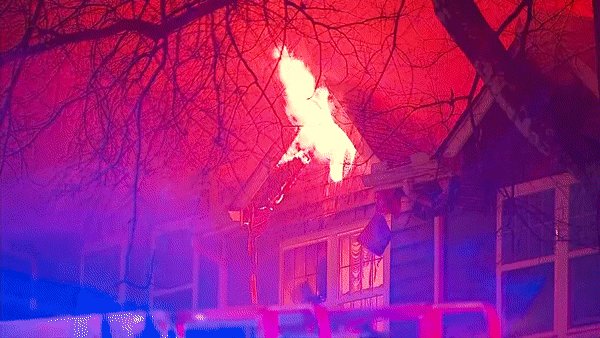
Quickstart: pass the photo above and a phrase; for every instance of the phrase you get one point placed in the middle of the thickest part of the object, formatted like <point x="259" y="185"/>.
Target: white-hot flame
<point x="309" y="108"/>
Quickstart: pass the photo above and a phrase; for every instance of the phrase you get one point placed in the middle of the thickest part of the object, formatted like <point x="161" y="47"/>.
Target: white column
<point x="438" y="259"/>
<point x="561" y="263"/>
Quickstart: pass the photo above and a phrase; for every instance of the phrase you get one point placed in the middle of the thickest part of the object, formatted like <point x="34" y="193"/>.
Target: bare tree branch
<point x="154" y="31"/>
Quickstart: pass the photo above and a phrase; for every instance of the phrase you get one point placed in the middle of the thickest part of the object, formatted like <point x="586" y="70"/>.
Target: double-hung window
<point x="548" y="268"/>
<point x="334" y="269"/>
<point x="305" y="273"/>
<point x="361" y="274"/>
<point x="102" y="273"/>
<point x="174" y="271"/>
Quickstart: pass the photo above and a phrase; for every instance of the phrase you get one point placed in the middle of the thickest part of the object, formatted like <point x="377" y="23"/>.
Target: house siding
<point x="411" y="260"/>
<point x="268" y="273"/>
<point x="469" y="256"/>
<point x="238" y="270"/>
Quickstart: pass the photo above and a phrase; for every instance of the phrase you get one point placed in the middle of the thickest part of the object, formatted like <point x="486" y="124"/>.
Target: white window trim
<point x="332" y="236"/>
<point x="121" y="244"/>
<point x="438" y="259"/>
<point x="560" y="258"/>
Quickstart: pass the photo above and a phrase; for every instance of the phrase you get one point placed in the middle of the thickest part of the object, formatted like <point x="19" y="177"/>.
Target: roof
<point x="562" y="54"/>
<point x="563" y="57"/>
<point x="269" y="184"/>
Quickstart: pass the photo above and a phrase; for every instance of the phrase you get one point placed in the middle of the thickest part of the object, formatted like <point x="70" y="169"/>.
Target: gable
<point x="295" y="184"/>
<point x="500" y="155"/>
<point x="564" y="57"/>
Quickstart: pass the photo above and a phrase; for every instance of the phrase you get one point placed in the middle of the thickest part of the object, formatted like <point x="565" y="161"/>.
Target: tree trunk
<point x="519" y="90"/>
<point x="596" y="8"/>
<point x="550" y="118"/>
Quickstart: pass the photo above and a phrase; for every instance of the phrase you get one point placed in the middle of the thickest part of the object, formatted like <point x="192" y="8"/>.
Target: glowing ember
<point x="309" y="108"/>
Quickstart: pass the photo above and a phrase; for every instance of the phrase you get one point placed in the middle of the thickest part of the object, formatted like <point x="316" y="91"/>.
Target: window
<point x="584" y="290"/>
<point x="528" y="226"/>
<point x="528" y="299"/>
<point x="17" y="279"/>
<point x="547" y="249"/>
<point x="305" y="274"/>
<point x="584" y="231"/>
<point x="357" y="278"/>
<point x="102" y="269"/>
<point x="183" y="277"/>
<point x="359" y="268"/>
<point x="173" y="271"/>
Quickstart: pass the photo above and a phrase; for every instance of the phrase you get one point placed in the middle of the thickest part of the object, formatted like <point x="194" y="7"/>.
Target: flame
<point x="311" y="110"/>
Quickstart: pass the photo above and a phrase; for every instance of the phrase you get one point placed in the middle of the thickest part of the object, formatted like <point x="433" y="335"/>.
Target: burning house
<point x="488" y="218"/>
<point x="336" y="211"/>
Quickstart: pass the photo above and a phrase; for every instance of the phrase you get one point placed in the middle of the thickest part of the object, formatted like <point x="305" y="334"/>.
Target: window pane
<point x="208" y="284"/>
<point x="322" y="274"/>
<point x="355" y="280"/>
<point x="173" y="259"/>
<point x="363" y="273"/>
<point x="322" y="253"/>
<point x="583" y="208"/>
<point x="527" y="299"/>
<point x="101" y="270"/>
<point x="367" y="273"/>
<point x="366" y="255"/>
<point x="311" y="260"/>
<point x="305" y="274"/>
<point x="584" y="290"/>
<point x="345" y="280"/>
<point x="287" y="291"/>
<point x="344" y="251"/>
<point x="355" y="252"/>
<point x="378" y="279"/>
<point x="528" y="226"/>
<point x="288" y="265"/>
<point x="299" y="262"/>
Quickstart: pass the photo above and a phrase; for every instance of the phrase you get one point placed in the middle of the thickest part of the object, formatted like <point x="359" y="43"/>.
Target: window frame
<point x="159" y="230"/>
<point x="154" y="292"/>
<point x="332" y="237"/>
<point x="560" y="185"/>
<point x="118" y="242"/>
<point x="198" y="251"/>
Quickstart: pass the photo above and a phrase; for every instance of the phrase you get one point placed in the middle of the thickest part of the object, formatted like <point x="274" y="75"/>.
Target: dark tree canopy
<point x="114" y="92"/>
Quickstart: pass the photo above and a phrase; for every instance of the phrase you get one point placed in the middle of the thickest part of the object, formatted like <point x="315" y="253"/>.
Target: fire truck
<point x="313" y="321"/>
